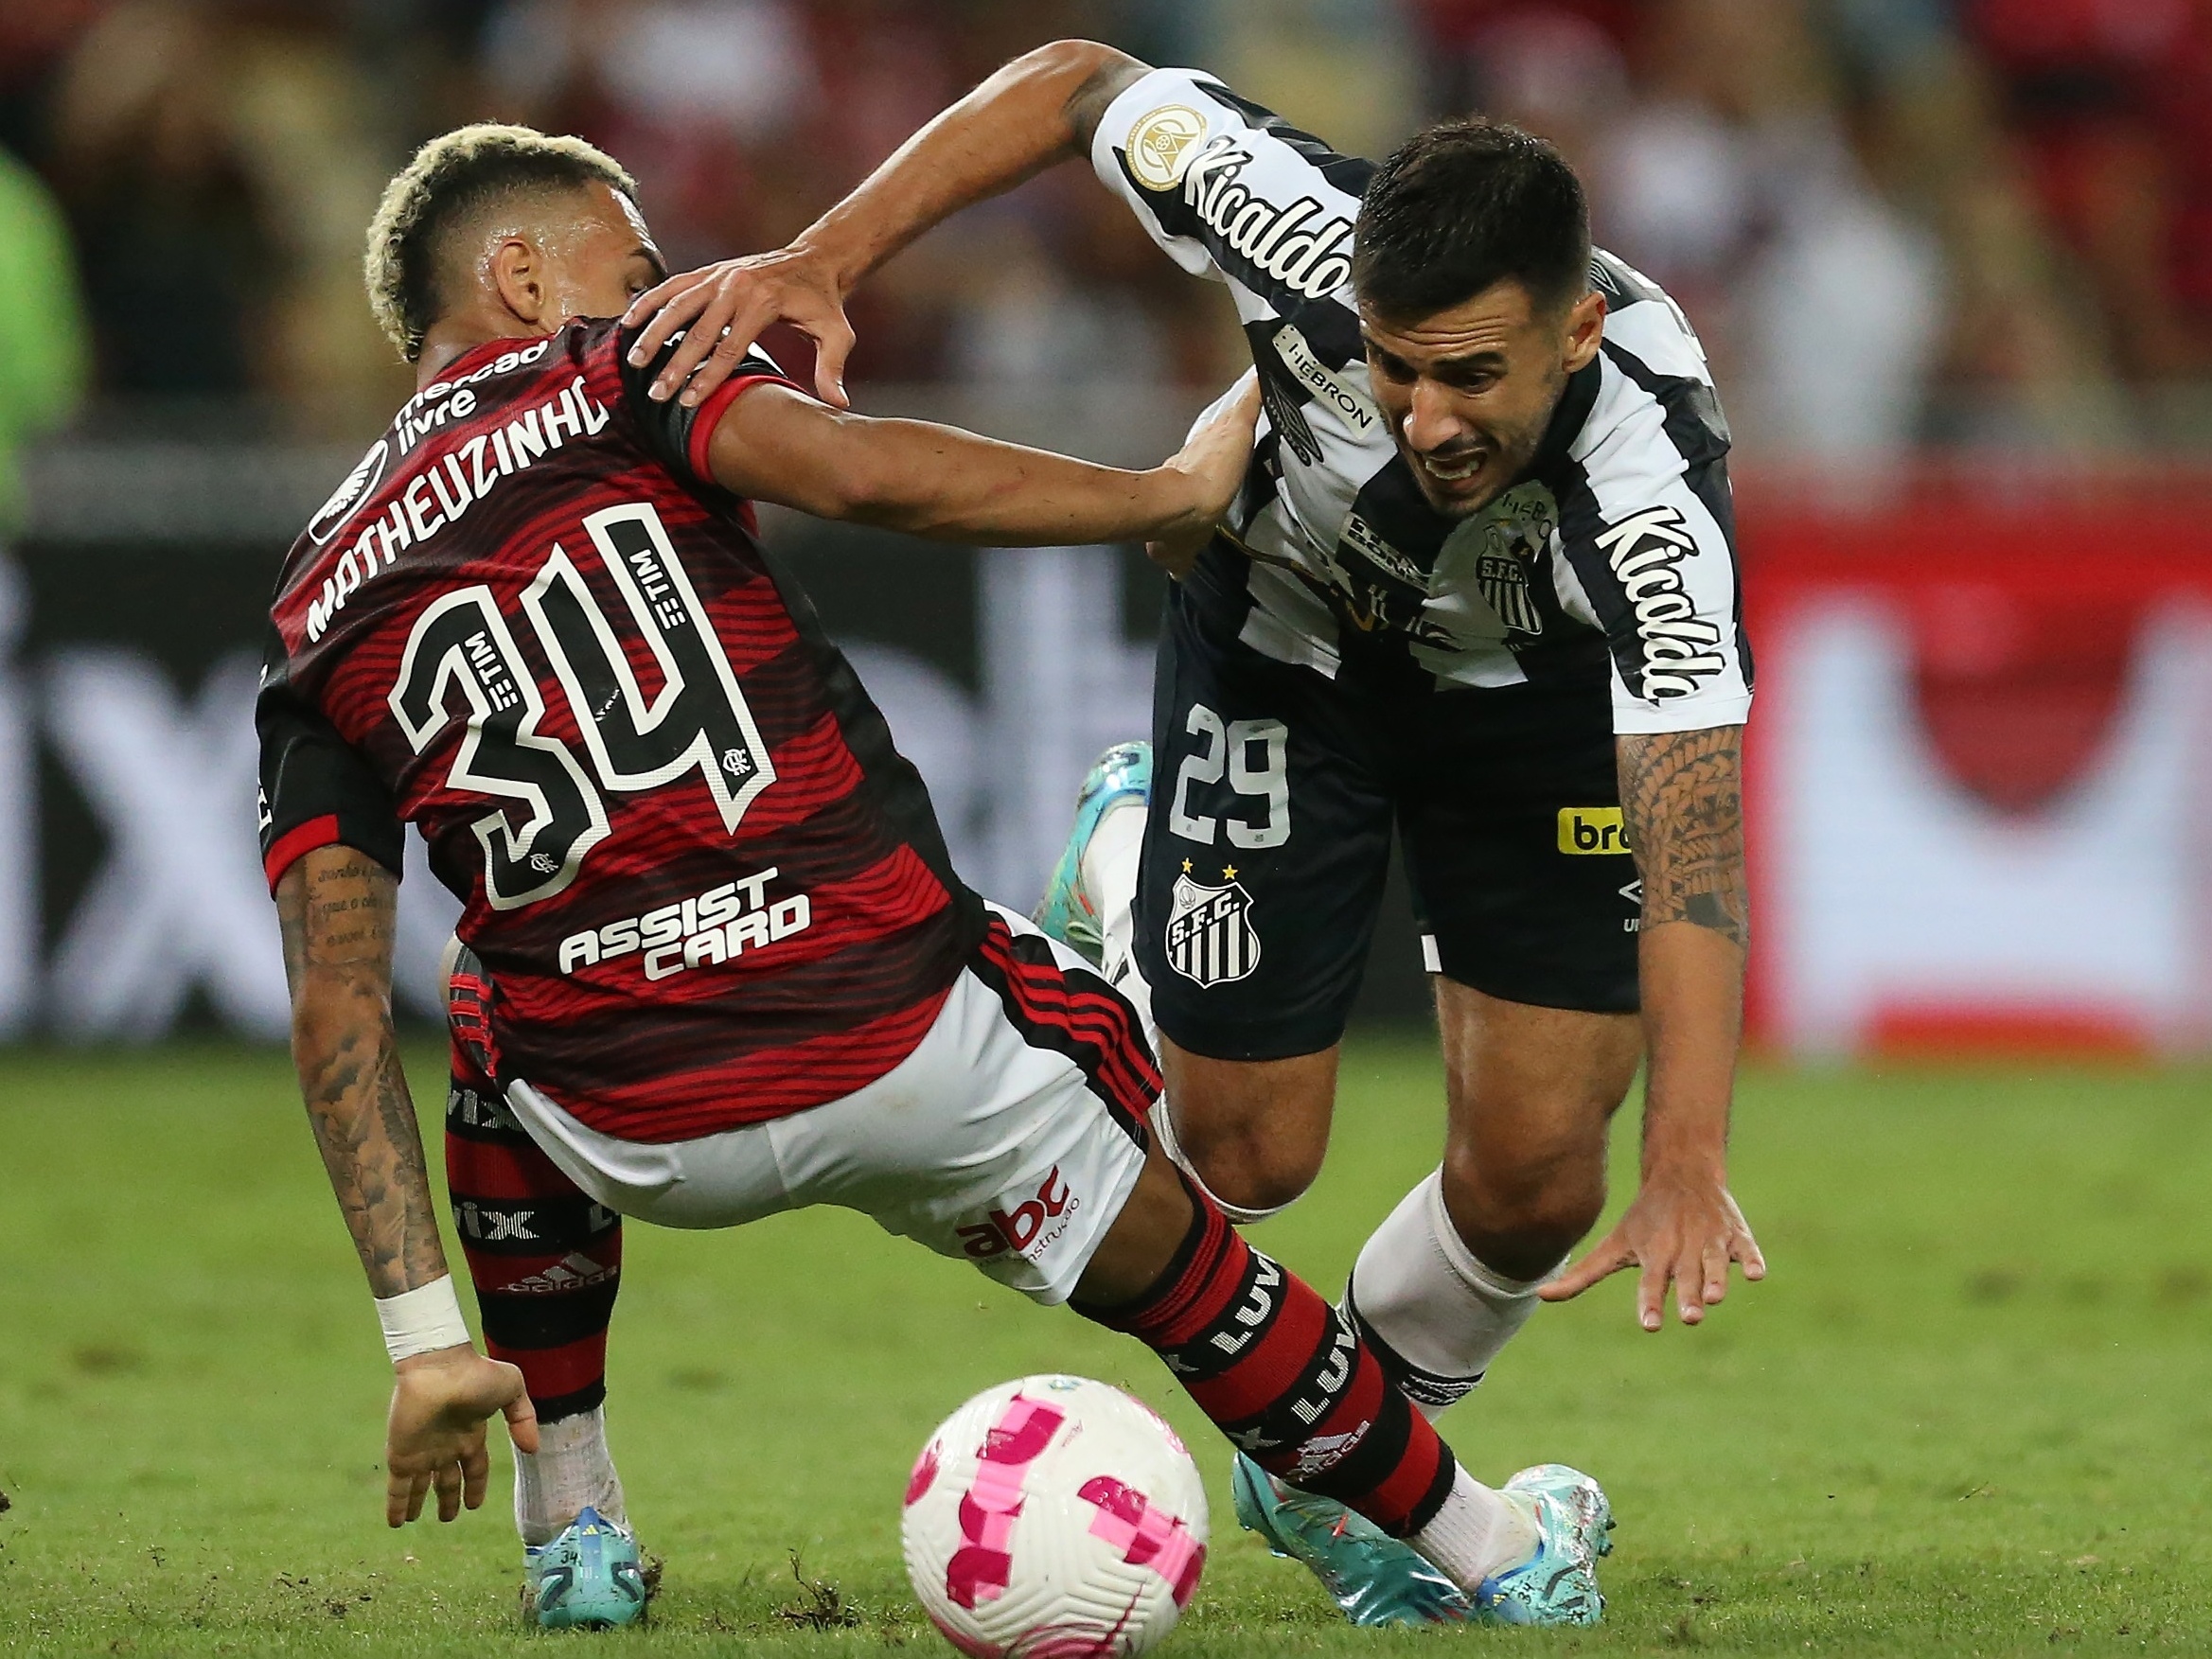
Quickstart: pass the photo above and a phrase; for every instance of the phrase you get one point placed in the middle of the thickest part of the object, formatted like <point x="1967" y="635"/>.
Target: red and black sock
<point x="545" y="1257"/>
<point x="1287" y="1377"/>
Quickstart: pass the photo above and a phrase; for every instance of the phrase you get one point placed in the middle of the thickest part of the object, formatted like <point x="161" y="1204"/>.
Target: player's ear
<point x="1586" y="329"/>
<point x="519" y="275"/>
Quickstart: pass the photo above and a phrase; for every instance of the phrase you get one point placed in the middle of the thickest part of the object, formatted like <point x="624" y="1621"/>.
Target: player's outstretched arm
<point x="1040" y="109"/>
<point x="775" y="444"/>
<point x="1682" y="796"/>
<point x="337" y="908"/>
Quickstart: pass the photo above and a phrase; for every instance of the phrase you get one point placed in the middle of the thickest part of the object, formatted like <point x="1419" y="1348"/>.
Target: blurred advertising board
<point x="1983" y="742"/>
<point x="1981" y="769"/>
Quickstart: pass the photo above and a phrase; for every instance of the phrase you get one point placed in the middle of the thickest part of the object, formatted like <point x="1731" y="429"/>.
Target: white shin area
<point x="571" y="1469"/>
<point x="1444" y="1314"/>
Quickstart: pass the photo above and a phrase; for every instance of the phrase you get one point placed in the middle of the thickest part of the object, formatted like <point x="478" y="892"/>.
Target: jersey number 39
<point x="697" y="720"/>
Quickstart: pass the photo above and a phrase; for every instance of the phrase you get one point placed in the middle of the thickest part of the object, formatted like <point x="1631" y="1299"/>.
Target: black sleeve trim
<point x="316" y="791"/>
<point x="675" y="434"/>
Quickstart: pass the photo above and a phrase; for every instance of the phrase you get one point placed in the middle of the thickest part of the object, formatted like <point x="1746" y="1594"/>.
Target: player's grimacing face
<point x="1469" y="390"/>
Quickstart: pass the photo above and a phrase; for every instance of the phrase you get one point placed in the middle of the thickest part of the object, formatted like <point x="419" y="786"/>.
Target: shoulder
<point x="1655" y="403"/>
<point x="1271" y="205"/>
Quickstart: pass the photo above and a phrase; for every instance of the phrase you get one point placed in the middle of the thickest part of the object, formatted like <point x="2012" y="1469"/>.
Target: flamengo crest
<point x="1210" y="936"/>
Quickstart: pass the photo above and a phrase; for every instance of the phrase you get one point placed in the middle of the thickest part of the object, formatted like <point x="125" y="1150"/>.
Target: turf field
<point x="1969" y="1413"/>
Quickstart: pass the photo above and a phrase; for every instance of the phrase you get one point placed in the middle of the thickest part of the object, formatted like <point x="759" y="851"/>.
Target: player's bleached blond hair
<point x="450" y="181"/>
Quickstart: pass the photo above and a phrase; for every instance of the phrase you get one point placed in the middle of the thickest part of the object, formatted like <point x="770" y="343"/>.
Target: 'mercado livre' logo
<point x="1160" y="145"/>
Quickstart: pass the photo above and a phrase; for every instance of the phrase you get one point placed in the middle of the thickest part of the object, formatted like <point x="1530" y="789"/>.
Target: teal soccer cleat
<point x="1560" y="1584"/>
<point x="1066" y="912"/>
<point x="588" y="1579"/>
<point x="1376" y="1578"/>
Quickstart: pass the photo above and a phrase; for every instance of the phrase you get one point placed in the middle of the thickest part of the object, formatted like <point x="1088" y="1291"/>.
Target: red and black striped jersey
<point x="708" y="889"/>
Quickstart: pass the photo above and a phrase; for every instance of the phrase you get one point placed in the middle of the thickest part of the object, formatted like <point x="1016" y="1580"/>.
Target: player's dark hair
<point x="450" y="181"/>
<point x="1464" y="205"/>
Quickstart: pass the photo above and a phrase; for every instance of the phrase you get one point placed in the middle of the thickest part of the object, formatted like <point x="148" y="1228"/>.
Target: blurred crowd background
<point x="1896" y="223"/>
<point x="1952" y="260"/>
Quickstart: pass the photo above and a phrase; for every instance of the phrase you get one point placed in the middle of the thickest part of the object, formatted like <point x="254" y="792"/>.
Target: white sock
<point x="1475" y="1534"/>
<point x="1109" y="877"/>
<point x="1419" y="1290"/>
<point x="572" y="1468"/>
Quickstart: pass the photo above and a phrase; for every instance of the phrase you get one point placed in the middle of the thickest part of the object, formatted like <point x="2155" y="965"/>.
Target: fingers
<point x="401" y="1502"/>
<point x="1650" y="1294"/>
<point x="1606" y="1259"/>
<point x="1692" y="1281"/>
<point x="475" y="1473"/>
<point x="521" y="1418"/>
<point x="448" y="1482"/>
<point x="1716" y="1272"/>
<point x="705" y="333"/>
<point x="678" y="300"/>
<point x="1745" y="1248"/>
<point x="649" y="301"/>
<point x="718" y="348"/>
<point x="833" y="343"/>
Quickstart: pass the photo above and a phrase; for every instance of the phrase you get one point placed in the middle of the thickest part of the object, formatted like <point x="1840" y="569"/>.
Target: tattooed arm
<point x="337" y="909"/>
<point x="1682" y="798"/>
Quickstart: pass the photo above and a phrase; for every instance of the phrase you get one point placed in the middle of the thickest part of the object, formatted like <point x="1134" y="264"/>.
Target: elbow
<point x="328" y="1022"/>
<point x="1072" y="60"/>
<point x="861" y="489"/>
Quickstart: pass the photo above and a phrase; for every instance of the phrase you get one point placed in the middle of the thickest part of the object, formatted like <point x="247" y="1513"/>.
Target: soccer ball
<point x="1054" y="1518"/>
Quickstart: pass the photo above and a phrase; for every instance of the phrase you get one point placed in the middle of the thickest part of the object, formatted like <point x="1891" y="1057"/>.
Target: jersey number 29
<point x="697" y="720"/>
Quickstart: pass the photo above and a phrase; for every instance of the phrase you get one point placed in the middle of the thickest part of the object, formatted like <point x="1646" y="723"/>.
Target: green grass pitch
<point x="1971" y="1412"/>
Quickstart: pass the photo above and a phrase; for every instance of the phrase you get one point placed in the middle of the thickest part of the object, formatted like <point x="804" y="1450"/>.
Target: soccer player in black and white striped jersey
<point x="1480" y="589"/>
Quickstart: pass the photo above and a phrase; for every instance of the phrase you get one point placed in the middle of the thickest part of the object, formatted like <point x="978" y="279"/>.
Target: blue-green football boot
<point x="1067" y="912"/>
<point x="1376" y="1578"/>
<point x="1559" y="1585"/>
<point x="589" y="1578"/>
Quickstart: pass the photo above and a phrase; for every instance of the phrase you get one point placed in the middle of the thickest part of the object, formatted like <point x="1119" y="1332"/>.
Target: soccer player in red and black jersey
<point x="710" y="933"/>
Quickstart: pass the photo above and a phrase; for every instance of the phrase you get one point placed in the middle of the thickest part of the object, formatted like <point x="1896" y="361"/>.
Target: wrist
<point x="422" y="1321"/>
<point x="1686" y="1166"/>
<point x="836" y="249"/>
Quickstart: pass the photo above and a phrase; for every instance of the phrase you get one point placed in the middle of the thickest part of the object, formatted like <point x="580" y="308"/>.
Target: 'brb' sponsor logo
<point x="1027" y="1229"/>
<point x="1592" y="829"/>
<point x="718" y="926"/>
<point x="1680" y="647"/>
<point x="1293" y="245"/>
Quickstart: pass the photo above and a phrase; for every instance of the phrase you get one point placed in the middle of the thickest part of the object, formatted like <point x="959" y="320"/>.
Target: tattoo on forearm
<point x="337" y="910"/>
<point x="1682" y="796"/>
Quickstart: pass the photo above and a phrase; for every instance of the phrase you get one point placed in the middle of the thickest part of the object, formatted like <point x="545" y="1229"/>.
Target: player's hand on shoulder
<point x="1212" y="460"/>
<point x="434" y="1439"/>
<point x="723" y="308"/>
<point x="1682" y="1230"/>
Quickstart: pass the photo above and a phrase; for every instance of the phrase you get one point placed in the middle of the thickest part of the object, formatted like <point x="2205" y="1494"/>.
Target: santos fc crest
<point x="1210" y="936"/>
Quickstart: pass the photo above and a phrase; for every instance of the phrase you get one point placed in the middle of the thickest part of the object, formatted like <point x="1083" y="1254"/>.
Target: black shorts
<point x="1274" y="790"/>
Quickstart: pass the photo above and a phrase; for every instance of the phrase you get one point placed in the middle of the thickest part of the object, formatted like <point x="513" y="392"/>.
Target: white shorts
<point x="992" y="1140"/>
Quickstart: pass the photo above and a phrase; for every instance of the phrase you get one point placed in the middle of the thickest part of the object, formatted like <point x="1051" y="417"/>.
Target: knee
<point x="1249" y="1171"/>
<point x="1253" y="1131"/>
<point x="1521" y="1216"/>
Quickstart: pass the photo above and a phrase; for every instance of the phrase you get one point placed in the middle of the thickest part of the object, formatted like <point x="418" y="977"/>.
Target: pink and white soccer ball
<point x="1054" y="1518"/>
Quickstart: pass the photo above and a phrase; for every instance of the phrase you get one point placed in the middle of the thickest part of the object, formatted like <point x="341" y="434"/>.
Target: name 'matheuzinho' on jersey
<point x="709" y="890"/>
<point x="1612" y="557"/>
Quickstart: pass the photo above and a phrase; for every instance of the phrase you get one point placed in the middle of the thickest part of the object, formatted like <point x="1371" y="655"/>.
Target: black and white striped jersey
<point x="1615" y="549"/>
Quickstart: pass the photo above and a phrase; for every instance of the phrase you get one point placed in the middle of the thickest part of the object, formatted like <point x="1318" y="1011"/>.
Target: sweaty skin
<point x="1469" y="390"/>
<point x="526" y="271"/>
